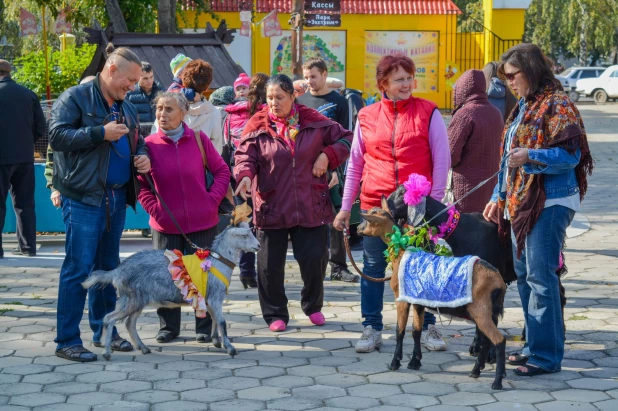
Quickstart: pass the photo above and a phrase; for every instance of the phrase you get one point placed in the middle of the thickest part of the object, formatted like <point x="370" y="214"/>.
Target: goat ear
<point x="371" y="218"/>
<point x="385" y="206"/>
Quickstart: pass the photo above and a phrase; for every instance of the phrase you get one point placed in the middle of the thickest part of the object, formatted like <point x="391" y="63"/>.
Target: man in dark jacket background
<point x="95" y="137"/>
<point x="143" y="95"/>
<point x="21" y="124"/>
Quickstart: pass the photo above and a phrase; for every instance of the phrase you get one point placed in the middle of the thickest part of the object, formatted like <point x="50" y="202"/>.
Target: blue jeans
<point x="538" y="287"/>
<point x="89" y="246"/>
<point x="372" y="294"/>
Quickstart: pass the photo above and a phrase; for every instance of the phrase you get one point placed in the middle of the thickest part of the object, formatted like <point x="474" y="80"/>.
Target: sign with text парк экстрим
<point x="319" y="6"/>
<point x="325" y="20"/>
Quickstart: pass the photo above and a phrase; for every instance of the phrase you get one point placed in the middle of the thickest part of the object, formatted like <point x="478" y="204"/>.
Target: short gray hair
<point x="181" y="100"/>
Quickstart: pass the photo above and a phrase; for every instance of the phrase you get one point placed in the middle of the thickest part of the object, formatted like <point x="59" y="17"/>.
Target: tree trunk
<point x="115" y="16"/>
<point x="583" y="43"/>
<point x="167" y="16"/>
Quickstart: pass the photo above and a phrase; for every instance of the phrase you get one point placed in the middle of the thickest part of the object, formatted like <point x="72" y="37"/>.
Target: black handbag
<point x="225" y="206"/>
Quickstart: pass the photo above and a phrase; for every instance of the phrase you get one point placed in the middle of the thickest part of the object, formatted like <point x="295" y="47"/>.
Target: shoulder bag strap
<point x="201" y="147"/>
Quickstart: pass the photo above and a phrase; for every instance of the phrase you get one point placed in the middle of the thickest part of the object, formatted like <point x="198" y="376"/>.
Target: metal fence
<point x="473" y="46"/>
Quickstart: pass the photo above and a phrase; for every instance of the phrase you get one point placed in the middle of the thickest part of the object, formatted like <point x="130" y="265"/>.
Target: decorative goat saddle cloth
<point x="435" y="281"/>
<point x="190" y="275"/>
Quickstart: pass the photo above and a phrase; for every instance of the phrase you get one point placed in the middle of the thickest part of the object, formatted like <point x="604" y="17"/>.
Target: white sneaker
<point x="369" y="340"/>
<point x="432" y="339"/>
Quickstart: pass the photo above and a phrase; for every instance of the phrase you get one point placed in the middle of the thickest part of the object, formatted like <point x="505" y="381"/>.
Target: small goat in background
<point x="144" y="279"/>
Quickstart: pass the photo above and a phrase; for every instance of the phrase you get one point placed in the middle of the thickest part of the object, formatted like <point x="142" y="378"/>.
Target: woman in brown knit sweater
<point x="474" y="138"/>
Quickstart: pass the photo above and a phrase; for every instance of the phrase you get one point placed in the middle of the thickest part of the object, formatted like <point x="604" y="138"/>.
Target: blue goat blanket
<point x="435" y="281"/>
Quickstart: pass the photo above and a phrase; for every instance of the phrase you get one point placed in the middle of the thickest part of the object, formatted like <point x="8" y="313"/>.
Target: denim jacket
<point x="558" y="166"/>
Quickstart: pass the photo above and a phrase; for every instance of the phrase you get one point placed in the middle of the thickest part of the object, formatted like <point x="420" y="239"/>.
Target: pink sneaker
<point x="317" y="318"/>
<point x="277" y="326"/>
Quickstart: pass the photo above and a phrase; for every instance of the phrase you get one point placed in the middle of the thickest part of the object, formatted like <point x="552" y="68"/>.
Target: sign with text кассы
<point x="319" y="6"/>
<point x="322" y="20"/>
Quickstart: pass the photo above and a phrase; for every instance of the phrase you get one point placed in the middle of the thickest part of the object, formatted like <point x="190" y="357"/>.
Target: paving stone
<point x="122" y="406"/>
<point x="579" y="395"/>
<point x="233" y="364"/>
<point x="63" y="407"/>
<point x="605" y="372"/>
<point x="287" y="382"/>
<point x="594" y="384"/>
<point x="362" y="368"/>
<point x="501" y="406"/>
<point x="237" y="405"/>
<point x="207" y="395"/>
<point x="94" y="398"/>
<point x="410" y="400"/>
<point x="466" y="398"/>
<point x="180" y="406"/>
<point x="259" y="372"/>
<point x="37" y="399"/>
<point x="129" y="367"/>
<point x="311" y="370"/>
<point x="523" y="397"/>
<point x="294" y="404"/>
<point x="428" y="388"/>
<point x="341" y="380"/>
<point x="234" y="383"/>
<point x="9" y="378"/>
<point x="566" y="405"/>
<point x="123" y="387"/>
<point x="609" y="405"/>
<point x="153" y="375"/>
<point x="538" y="384"/>
<point x="4" y="400"/>
<point x="285" y="362"/>
<point x="264" y="393"/>
<point x="69" y="388"/>
<point x="396" y="378"/>
<point x="27" y="369"/>
<point x="374" y="390"/>
<point x="179" y="384"/>
<point x="79" y="368"/>
<point x="447" y="408"/>
<point x="152" y="396"/>
<point x="20" y="388"/>
<point x="102" y="377"/>
<point x="14" y="408"/>
<point x="318" y="391"/>
<point x="13" y="361"/>
<point x="352" y="402"/>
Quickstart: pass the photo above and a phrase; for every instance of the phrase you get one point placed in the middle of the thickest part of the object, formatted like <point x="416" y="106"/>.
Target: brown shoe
<point x="76" y="353"/>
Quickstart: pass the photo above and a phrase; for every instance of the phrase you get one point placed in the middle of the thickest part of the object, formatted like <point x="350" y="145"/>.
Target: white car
<point x="568" y="78"/>
<point x="603" y="88"/>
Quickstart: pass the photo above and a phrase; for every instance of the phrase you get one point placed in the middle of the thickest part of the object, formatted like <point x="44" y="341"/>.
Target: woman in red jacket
<point x="282" y="161"/>
<point x="178" y="175"/>
<point x="393" y="138"/>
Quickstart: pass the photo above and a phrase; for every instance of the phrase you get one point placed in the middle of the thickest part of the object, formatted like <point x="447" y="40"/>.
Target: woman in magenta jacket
<point x="178" y="175"/>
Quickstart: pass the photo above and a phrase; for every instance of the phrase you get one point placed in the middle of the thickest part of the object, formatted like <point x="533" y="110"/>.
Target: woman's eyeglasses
<point x="511" y="76"/>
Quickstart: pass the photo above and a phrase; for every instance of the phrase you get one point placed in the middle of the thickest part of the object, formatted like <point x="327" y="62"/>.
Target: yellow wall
<point x="508" y="24"/>
<point x="355" y="26"/>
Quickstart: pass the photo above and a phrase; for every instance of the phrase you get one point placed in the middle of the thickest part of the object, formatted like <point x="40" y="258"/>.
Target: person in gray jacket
<point x="497" y="92"/>
<point x="97" y="148"/>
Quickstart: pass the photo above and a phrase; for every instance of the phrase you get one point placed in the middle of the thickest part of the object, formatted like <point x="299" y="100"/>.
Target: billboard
<point x="420" y="46"/>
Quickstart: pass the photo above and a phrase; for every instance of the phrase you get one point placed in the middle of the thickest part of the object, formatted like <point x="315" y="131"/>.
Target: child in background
<point x="177" y="65"/>
<point x="241" y="86"/>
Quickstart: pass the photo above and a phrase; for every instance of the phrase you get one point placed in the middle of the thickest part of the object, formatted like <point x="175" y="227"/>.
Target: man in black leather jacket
<point x="97" y="149"/>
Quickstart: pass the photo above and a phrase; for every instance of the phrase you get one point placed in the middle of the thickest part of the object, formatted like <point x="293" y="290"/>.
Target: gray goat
<point x="144" y="279"/>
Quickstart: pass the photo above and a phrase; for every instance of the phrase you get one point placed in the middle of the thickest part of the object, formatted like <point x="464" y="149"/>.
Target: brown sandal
<point x="76" y="353"/>
<point x="118" y="344"/>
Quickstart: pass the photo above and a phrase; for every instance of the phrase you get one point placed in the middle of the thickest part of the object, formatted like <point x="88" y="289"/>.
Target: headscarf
<point x="287" y="128"/>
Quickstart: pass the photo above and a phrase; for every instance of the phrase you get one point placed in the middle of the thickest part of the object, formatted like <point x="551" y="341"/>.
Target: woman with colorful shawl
<point x="282" y="161"/>
<point x="545" y="147"/>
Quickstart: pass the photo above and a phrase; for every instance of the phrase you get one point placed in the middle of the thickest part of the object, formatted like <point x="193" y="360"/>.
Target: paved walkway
<point x="316" y="368"/>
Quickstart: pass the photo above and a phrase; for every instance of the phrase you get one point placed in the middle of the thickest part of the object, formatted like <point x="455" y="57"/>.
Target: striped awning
<point x="348" y="6"/>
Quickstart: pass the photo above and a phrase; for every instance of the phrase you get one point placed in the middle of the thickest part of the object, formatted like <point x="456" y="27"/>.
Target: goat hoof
<point x="216" y="342"/>
<point x="474" y="374"/>
<point x="146" y="350"/>
<point x="232" y="351"/>
<point x="414" y="365"/>
<point x="107" y="356"/>
<point x="394" y="366"/>
<point x="496" y="386"/>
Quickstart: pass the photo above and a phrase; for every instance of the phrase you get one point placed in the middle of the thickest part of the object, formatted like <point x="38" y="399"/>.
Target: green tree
<point x="66" y="68"/>
<point x="472" y="18"/>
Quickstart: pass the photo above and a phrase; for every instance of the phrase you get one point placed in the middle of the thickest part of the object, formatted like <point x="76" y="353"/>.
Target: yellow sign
<point x="420" y="46"/>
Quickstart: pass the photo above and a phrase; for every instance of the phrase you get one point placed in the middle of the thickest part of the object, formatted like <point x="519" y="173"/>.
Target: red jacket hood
<point x="238" y="107"/>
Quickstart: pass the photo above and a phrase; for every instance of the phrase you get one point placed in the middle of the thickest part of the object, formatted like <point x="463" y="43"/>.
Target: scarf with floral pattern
<point x="287" y="128"/>
<point x="551" y="120"/>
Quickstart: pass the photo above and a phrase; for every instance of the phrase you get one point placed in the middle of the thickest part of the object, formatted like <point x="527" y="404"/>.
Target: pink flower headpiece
<point x="417" y="187"/>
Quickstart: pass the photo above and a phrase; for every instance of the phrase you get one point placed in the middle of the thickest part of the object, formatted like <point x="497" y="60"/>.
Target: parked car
<point x="569" y="77"/>
<point x="601" y="89"/>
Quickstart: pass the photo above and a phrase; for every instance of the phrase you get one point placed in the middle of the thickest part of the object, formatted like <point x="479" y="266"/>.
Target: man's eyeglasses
<point x="511" y="76"/>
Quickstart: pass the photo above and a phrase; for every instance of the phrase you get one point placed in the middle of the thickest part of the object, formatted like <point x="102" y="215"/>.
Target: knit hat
<point x="242" y="80"/>
<point x="178" y="63"/>
<point x="222" y="96"/>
